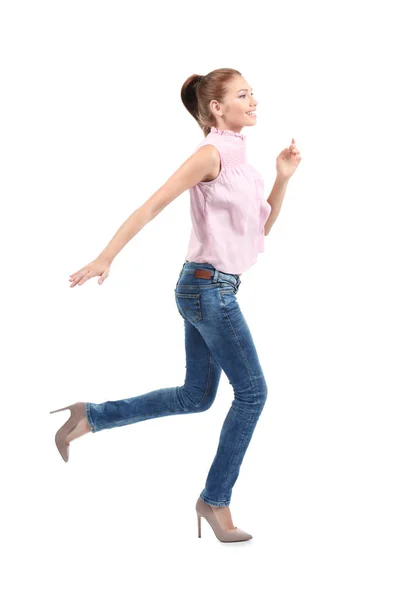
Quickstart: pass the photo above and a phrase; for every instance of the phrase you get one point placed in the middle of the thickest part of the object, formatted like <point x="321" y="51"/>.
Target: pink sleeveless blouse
<point x="228" y="213"/>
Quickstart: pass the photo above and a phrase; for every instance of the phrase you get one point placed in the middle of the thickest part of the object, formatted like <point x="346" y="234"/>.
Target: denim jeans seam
<point x="208" y="382"/>
<point x="132" y="420"/>
<point x="236" y="453"/>
<point x="227" y="318"/>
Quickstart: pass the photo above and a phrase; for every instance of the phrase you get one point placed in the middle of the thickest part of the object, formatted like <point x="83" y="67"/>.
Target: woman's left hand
<point x="288" y="160"/>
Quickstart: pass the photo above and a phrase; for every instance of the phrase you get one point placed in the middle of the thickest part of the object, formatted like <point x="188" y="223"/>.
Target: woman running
<point x="230" y="217"/>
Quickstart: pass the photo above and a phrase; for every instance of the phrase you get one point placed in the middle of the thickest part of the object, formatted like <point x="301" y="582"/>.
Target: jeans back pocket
<point x="189" y="306"/>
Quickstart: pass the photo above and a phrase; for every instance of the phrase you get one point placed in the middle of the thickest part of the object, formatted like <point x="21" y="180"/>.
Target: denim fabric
<point x="217" y="338"/>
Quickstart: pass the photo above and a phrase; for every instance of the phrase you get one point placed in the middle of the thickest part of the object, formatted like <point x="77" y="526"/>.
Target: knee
<point x="252" y="397"/>
<point x="205" y="403"/>
<point x="194" y="401"/>
<point x="261" y="391"/>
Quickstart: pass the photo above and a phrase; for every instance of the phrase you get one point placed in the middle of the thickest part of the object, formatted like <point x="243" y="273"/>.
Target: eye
<point x="244" y="95"/>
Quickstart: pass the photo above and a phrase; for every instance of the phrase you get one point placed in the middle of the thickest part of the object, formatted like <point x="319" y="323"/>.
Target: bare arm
<point x="197" y="167"/>
<point x="275" y="200"/>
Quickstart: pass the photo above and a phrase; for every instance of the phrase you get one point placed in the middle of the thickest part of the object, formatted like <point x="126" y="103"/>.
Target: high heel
<point x="205" y="510"/>
<point x="77" y="413"/>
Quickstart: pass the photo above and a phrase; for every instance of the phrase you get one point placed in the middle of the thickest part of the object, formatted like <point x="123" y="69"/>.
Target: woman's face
<point x="232" y="113"/>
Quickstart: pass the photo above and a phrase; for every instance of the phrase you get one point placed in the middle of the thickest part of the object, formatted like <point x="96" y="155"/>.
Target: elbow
<point x="155" y="204"/>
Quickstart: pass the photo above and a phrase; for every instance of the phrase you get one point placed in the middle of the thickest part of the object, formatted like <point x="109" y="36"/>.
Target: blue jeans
<point x="217" y="338"/>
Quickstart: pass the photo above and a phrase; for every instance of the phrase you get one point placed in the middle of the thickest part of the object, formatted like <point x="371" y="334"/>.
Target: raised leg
<point x="196" y="395"/>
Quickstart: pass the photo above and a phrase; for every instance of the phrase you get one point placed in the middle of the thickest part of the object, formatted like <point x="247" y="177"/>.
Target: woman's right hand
<point x="97" y="267"/>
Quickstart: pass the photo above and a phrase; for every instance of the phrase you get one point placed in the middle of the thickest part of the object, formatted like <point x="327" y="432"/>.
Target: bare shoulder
<point x="209" y="154"/>
<point x="199" y="166"/>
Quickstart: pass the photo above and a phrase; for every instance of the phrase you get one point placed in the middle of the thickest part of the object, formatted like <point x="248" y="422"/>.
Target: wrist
<point x="281" y="178"/>
<point x="105" y="257"/>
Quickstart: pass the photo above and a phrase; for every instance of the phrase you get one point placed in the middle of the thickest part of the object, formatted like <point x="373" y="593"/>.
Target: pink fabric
<point x="228" y="214"/>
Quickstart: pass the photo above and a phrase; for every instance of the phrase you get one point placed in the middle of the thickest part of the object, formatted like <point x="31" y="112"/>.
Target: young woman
<point x="230" y="218"/>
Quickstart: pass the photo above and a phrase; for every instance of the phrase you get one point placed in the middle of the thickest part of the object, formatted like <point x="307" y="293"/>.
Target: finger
<point x="75" y="282"/>
<point x="104" y="275"/>
<point x="79" y="277"/>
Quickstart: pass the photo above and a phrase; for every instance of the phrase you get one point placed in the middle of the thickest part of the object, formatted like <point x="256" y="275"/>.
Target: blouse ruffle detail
<point x="227" y="132"/>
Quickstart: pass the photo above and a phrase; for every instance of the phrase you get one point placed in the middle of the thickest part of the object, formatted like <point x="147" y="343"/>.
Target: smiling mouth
<point x="251" y="113"/>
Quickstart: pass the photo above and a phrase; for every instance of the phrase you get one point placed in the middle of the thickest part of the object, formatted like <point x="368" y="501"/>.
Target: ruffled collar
<point x="227" y="132"/>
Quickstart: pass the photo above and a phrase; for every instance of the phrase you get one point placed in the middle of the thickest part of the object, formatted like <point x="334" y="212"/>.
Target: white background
<point x="92" y="124"/>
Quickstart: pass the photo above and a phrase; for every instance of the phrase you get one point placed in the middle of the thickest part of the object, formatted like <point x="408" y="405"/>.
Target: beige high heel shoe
<point x="205" y="510"/>
<point x="77" y="413"/>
